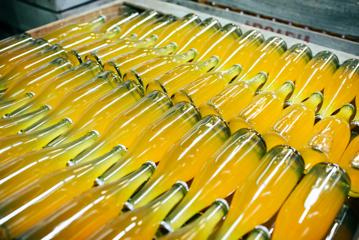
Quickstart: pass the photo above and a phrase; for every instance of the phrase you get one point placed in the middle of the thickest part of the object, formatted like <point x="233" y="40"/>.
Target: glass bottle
<point x="126" y="62"/>
<point x="19" y="172"/>
<point x="317" y="199"/>
<point x="262" y="59"/>
<point x="184" y="160"/>
<point x="203" y="226"/>
<point x="355" y="121"/>
<point x="143" y="221"/>
<point x="60" y="85"/>
<point x="154" y="68"/>
<point x="263" y="110"/>
<point x="14" y="41"/>
<point x="241" y="50"/>
<point x="258" y="233"/>
<point x="43" y="197"/>
<point x="121" y="48"/>
<point x="219" y="46"/>
<point x="118" y="21"/>
<point x="342" y="87"/>
<point x="227" y="170"/>
<point x="289" y="66"/>
<point x="174" y="79"/>
<point x="128" y="125"/>
<point x="295" y="124"/>
<point x="154" y="25"/>
<point x="231" y="100"/>
<point x="314" y="76"/>
<point x="324" y="145"/>
<point x="154" y="141"/>
<point x="349" y="161"/>
<point x="263" y="193"/>
<point x="207" y="86"/>
<point x="88" y="212"/>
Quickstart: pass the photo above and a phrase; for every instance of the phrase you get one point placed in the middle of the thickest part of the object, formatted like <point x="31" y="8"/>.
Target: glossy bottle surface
<point x="317" y="198"/>
<point x="263" y="193"/>
<point x="221" y="175"/>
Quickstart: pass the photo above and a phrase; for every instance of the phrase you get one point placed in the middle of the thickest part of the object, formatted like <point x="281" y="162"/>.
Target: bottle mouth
<point x="302" y="48"/>
<point x="223" y="203"/>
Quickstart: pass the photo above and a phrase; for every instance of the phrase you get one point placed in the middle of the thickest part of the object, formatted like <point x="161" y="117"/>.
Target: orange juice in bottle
<point x="174" y="79"/>
<point x="229" y="102"/>
<point x="196" y="37"/>
<point x="317" y="199"/>
<point x="207" y="86"/>
<point x="126" y="62"/>
<point x="349" y="161"/>
<point x="342" y="87"/>
<point x="74" y="29"/>
<point x="295" y="124"/>
<point x="73" y="104"/>
<point x="263" y="193"/>
<point x="143" y="221"/>
<point x="176" y="31"/>
<point x="46" y="195"/>
<point x="60" y="85"/>
<point x="156" y="67"/>
<point x="324" y="145"/>
<point x="184" y="160"/>
<point x="263" y="110"/>
<point x="315" y="75"/>
<point x="154" y="25"/>
<point x="229" y="34"/>
<point x="289" y="66"/>
<point x="14" y="41"/>
<point x="119" y="48"/>
<point x="102" y="111"/>
<point x="203" y="226"/>
<point x="241" y="51"/>
<point x="118" y="21"/>
<point x="227" y="170"/>
<point x="88" y="212"/>
<point x="262" y="59"/>
<point x="34" y="81"/>
<point x="154" y="141"/>
<point x="128" y="125"/>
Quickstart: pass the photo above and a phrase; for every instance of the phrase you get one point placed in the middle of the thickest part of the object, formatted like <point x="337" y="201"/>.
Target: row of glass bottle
<point x="187" y="84"/>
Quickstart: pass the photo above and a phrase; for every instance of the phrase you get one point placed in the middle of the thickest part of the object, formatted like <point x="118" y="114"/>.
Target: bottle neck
<point x="185" y="57"/>
<point x="147" y="42"/>
<point x="257" y="81"/>
<point x="346" y="112"/>
<point x="166" y="50"/>
<point x="314" y="101"/>
<point x="209" y="64"/>
<point x="230" y="74"/>
<point x="285" y="90"/>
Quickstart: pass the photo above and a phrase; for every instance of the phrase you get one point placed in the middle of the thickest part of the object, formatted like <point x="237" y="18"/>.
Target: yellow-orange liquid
<point x="289" y="66"/>
<point x="154" y="25"/>
<point x="14" y="41"/>
<point x="349" y="161"/>
<point x="207" y="86"/>
<point x="315" y="76"/>
<point x="262" y="60"/>
<point x="142" y="221"/>
<point x="184" y="160"/>
<point x="324" y="144"/>
<point x="317" y="199"/>
<point x="294" y="125"/>
<point x="18" y="215"/>
<point x="221" y="175"/>
<point x="155" y="140"/>
<point x="126" y="62"/>
<point x="176" y="78"/>
<point x="156" y="67"/>
<point x="128" y="126"/>
<point x="88" y="212"/>
<point x="241" y="51"/>
<point x="229" y="102"/>
<point x="22" y="171"/>
<point x="263" y="193"/>
<point x="342" y="87"/>
<point x="263" y="110"/>
<point x="118" y="21"/>
<point x="34" y="81"/>
<point x="204" y="226"/>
